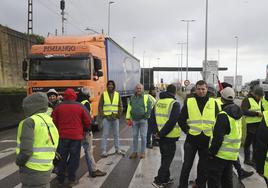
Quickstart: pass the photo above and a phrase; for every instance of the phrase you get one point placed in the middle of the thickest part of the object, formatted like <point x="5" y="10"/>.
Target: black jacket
<point x="222" y="126"/>
<point x="261" y="146"/>
<point x="170" y="124"/>
<point x="200" y="140"/>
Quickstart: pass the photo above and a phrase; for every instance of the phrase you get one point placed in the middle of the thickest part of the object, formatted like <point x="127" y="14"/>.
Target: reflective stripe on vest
<point x="256" y="107"/>
<point x="163" y="108"/>
<point x="201" y="122"/>
<point x="229" y="149"/>
<point x="265" y="116"/>
<point x="43" y="148"/>
<point x="264" y="103"/>
<point x="108" y="106"/>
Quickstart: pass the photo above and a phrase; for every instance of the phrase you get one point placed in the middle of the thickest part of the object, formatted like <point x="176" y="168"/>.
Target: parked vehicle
<point x="81" y="61"/>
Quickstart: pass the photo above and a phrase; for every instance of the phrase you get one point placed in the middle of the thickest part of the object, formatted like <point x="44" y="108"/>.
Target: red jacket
<point x="71" y="117"/>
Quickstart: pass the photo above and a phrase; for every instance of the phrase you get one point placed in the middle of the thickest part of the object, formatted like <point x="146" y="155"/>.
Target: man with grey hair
<point x="138" y="112"/>
<point x="37" y="140"/>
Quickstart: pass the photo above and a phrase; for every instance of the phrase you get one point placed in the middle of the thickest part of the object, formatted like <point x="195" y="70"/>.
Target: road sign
<point x="186" y="82"/>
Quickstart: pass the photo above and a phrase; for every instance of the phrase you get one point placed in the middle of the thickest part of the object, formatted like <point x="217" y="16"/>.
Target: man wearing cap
<point x="251" y="108"/>
<point x="226" y="141"/>
<point x="71" y="119"/>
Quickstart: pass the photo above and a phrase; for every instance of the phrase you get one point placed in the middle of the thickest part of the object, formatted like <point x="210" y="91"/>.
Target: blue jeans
<point x="105" y="134"/>
<point x="141" y="127"/>
<point x="69" y="150"/>
<point x="87" y="144"/>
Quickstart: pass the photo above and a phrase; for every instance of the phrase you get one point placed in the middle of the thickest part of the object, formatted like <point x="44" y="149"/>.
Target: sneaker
<point x="245" y="174"/>
<point x="133" y="155"/>
<point x="155" y="144"/>
<point x="149" y="146"/>
<point x="72" y="183"/>
<point x="104" y="155"/>
<point x="120" y="152"/>
<point x="157" y="184"/>
<point x="98" y="173"/>
<point x="142" y="155"/>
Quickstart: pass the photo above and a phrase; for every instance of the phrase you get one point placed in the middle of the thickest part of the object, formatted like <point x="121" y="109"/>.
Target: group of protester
<point x="213" y="128"/>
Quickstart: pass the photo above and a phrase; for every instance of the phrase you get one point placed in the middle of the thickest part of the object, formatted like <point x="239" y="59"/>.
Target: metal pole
<point x="236" y="57"/>
<point x="143" y="69"/>
<point x="149" y="73"/>
<point x="206" y="45"/>
<point x="181" y="62"/>
<point x="133" y="40"/>
<point x="62" y="7"/>
<point x="158" y="81"/>
<point x="187" y="43"/>
<point x="109" y="7"/>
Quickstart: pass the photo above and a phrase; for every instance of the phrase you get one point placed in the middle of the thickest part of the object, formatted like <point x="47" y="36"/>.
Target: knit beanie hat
<point x="228" y="94"/>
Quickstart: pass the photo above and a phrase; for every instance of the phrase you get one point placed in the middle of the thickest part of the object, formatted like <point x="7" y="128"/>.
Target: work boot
<point x="133" y="155"/>
<point x="157" y="184"/>
<point x="149" y="146"/>
<point x="244" y="174"/>
<point x="104" y="155"/>
<point x="155" y="143"/>
<point x="142" y="155"/>
<point x="120" y="152"/>
<point x="98" y="173"/>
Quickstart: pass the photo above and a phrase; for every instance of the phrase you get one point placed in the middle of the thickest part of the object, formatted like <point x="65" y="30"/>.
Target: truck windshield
<point x="60" y="69"/>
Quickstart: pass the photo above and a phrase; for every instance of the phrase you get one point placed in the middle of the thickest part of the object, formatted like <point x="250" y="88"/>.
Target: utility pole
<point x="206" y="43"/>
<point x="30" y="17"/>
<point x="62" y="7"/>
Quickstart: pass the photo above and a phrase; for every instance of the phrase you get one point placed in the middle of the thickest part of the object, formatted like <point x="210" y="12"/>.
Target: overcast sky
<point x="158" y="28"/>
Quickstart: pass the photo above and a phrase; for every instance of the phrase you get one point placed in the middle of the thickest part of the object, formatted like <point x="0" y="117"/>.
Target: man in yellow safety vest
<point x="226" y="141"/>
<point x="37" y="141"/>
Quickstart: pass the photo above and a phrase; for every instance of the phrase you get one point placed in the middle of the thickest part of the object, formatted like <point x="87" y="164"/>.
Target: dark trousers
<point x="150" y="135"/>
<point x="167" y="150"/>
<point x="189" y="155"/>
<point x="266" y="181"/>
<point x="237" y="166"/>
<point x="220" y="173"/>
<point x="70" y="152"/>
<point x="250" y="139"/>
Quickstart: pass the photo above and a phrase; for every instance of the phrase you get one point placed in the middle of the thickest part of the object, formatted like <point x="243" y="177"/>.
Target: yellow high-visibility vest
<point x="229" y="149"/>
<point x="219" y="103"/>
<point x="265" y="116"/>
<point x="163" y="109"/>
<point x="201" y="122"/>
<point x="87" y="101"/>
<point x="256" y="107"/>
<point x="109" y="106"/>
<point x="264" y="103"/>
<point x="43" y="148"/>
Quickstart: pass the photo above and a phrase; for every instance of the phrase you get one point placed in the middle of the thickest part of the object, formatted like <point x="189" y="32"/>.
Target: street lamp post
<point x="143" y="55"/>
<point x="187" y="44"/>
<point x="236" y="57"/>
<point x="109" y="7"/>
<point x="133" y="40"/>
<point x="158" y="63"/>
<point x="181" y="45"/>
<point x="206" y="43"/>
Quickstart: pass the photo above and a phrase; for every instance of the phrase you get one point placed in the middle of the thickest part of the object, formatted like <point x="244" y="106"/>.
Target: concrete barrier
<point x="11" y="112"/>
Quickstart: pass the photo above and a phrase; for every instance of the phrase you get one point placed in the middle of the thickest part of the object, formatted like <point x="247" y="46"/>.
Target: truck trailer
<point x="81" y="61"/>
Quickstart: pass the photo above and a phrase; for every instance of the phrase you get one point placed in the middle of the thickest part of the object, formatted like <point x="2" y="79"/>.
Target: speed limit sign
<point x="186" y="82"/>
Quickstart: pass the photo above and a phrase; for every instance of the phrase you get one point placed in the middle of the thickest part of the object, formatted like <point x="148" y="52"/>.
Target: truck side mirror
<point x="100" y="74"/>
<point x="25" y="76"/>
<point x="24" y="65"/>
<point x="97" y="64"/>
